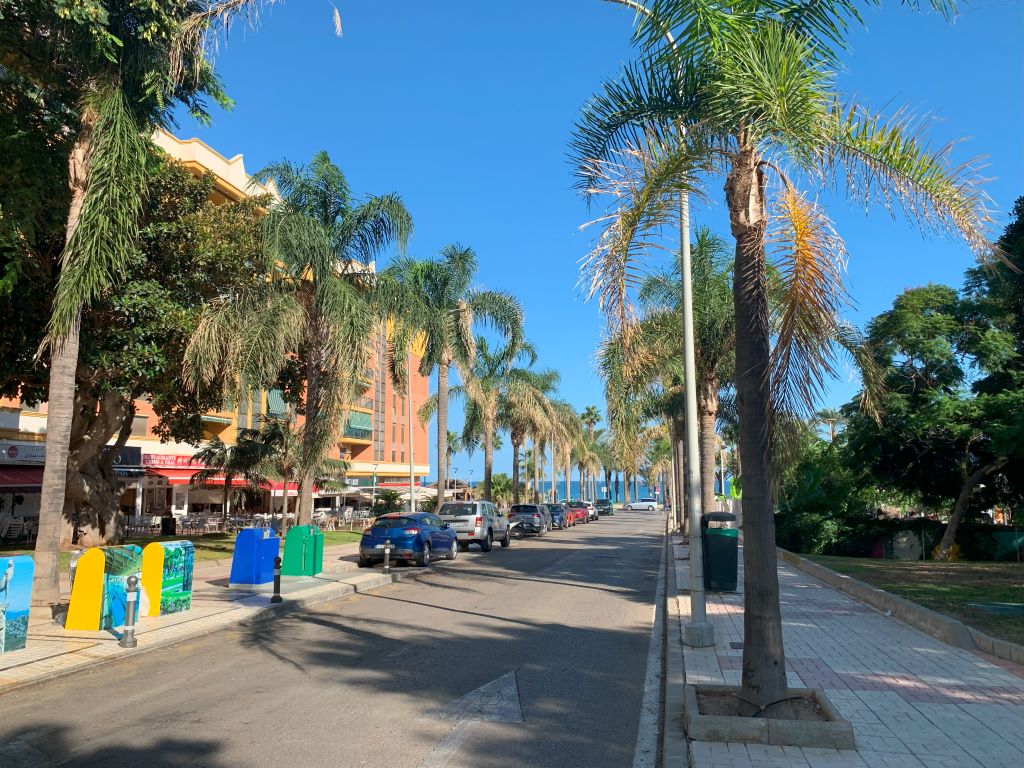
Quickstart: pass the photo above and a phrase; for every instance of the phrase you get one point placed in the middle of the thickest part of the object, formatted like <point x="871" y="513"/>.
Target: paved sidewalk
<point x="914" y="701"/>
<point x="52" y="651"/>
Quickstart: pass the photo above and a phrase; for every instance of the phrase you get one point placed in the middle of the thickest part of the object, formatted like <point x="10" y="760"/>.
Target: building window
<point x="393" y="459"/>
<point x="403" y="457"/>
<point x="139" y="426"/>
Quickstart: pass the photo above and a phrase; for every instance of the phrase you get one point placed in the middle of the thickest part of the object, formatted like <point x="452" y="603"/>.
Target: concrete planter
<point x="832" y="733"/>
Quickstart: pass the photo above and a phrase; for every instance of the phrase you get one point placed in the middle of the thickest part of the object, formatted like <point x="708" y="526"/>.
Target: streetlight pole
<point x="412" y="475"/>
<point x="373" y="488"/>
<point x="455" y="474"/>
<point x="698" y="632"/>
<point x="469" y="481"/>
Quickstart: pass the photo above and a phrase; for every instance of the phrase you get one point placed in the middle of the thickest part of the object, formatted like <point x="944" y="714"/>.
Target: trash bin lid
<point x="718" y="517"/>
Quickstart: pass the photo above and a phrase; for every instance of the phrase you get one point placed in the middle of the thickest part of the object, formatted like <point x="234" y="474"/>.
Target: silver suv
<point x="476" y="521"/>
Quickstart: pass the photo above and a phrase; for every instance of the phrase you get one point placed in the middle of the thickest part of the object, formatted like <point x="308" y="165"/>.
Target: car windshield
<point x="453" y="508"/>
<point x="524" y="509"/>
<point x="393" y="522"/>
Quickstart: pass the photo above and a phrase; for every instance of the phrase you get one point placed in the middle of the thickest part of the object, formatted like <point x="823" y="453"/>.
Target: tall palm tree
<point x="318" y="305"/>
<point x="242" y="460"/>
<point x="832" y="419"/>
<point x="130" y="71"/>
<point x="751" y="84"/>
<point x="525" y="409"/>
<point x="454" y="446"/>
<point x="590" y="418"/>
<point x="490" y="380"/>
<point x="448" y="308"/>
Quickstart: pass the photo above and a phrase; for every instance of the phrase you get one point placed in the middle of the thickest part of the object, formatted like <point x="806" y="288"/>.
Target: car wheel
<point x="423" y="558"/>
<point x="364" y="562"/>
<point x="506" y="540"/>
<point x="464" y="546"/>
<point x="454" y="553"/>
<point x="650" y="509"/>
<point x="486" y="544"/>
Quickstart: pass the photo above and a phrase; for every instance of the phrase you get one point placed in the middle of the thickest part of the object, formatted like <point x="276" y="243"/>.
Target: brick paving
<point x="52" y="651"/>
<point x="914" y="701"/>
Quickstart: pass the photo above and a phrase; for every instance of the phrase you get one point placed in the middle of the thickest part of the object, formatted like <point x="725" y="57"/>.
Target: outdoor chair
<point x="16" y="529"/>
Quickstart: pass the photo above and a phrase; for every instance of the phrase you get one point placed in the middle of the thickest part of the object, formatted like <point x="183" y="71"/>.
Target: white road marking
<point x="493" y="702"/>
<point x="645" y="754"/>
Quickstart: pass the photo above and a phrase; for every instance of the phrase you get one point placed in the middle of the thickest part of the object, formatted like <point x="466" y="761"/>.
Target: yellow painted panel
<point x="153" y="575"/>
<point x="87" y="592"/>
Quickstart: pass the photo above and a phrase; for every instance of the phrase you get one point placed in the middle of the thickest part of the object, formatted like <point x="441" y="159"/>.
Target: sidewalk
<point x="913" y="700"/>
<point x="52" y="651"/>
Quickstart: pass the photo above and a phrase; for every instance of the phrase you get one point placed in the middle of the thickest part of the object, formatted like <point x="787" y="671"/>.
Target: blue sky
<point x="466" y="108"/>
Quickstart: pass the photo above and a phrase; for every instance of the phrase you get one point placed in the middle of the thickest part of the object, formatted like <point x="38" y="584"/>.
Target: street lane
<point x="373" y="680"/>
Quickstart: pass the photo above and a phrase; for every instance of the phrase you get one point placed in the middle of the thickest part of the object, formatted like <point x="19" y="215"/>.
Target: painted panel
<point x="167" y="570"/>
<point x="15" y="598"/>
<point x="99" y="591"/>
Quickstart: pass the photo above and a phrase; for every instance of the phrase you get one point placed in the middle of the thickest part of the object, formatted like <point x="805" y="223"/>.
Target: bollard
<point x="277" y="582"/>
<point x="131" y="602"/>
<point x="387" y="557"/>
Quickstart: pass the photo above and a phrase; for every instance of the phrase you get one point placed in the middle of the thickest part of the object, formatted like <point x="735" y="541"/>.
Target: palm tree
<point x="243" y="459"/>
<point x="454" y="445"/>
<point x="832" y="419"/>
<point x="745" y="89"/>
<point x="318" y="304"/>
<point x="448" y="307"/>
<point x="130" y="71"/>
<point x="590" y="418"/>
<point x="524" y="409"/>
<point x="490" y="380"/>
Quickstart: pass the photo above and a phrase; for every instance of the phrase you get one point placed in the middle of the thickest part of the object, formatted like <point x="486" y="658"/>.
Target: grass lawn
<point x="212" y="547"/>
<point x="946" y="588"/>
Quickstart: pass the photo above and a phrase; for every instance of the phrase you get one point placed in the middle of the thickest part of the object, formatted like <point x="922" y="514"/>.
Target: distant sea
<point x="574" y="489"/>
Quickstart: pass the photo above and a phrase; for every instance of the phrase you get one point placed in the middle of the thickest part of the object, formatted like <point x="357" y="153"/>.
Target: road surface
<point x="528" y="657"/>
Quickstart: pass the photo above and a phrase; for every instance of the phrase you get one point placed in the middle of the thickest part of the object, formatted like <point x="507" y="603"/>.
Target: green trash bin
<point x="721" y="551"/>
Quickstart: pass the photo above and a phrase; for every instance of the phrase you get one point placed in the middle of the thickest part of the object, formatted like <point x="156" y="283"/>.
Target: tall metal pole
<point x="698" y="632"/>
<point x="412" y="475"/>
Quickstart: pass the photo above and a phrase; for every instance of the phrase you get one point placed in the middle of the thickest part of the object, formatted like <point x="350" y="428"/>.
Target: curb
<point x="675" y="747"/>
<point x="343" y="589"/>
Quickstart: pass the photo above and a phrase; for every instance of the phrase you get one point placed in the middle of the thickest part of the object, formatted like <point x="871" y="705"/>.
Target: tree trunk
<point x="568" y="476"/>
<point x="945" y="550"/>
<point x="304" y="501"/>
<point x="224" y="503"/>
<point x="629" y="496"/>
<point x="764" y="661"/>
<point x="442" y="426"/>
<point x="707" y="406"/>
<point x="515" y="469"/>
<point x="554" y="473"/>
<point x="617" y="475"/>
<point x="677" y="431"/>
<point x="536" y="471"/>
<point x="61" y="397"/>
<point x="488" y="459"/>
<point x="579" y="468"/>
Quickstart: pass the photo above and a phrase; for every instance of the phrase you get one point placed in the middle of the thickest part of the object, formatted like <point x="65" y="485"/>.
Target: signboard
<point x="128" y="456"/>
<point x="22" y="452"/>
<point x="168" y="460"/>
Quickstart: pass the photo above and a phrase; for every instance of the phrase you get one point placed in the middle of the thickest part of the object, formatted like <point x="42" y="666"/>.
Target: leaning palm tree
<point x="226" y="462"/>
<point x="317" y="307"/>
<point x="746" y="89"/>
<point x="130" y="71"/>
<point x="448" y="308"/>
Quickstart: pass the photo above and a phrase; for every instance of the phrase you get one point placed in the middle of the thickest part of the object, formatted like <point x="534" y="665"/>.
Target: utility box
<point x="303" y="551"/>
<point x="253" y="560"/>
<point x="721" y="551"/>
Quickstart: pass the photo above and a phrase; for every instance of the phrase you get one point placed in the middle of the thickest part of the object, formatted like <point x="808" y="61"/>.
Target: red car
<point x="579" y="511"/>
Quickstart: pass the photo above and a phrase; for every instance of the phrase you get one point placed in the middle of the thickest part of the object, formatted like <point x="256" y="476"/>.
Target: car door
<point x="498" y="520"/>
<point x="440" y="538"/>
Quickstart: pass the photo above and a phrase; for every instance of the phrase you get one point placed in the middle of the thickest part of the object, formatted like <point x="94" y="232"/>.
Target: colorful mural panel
<point x="167" y="568"/>
<point x="15" y="598"/>
<point x="99" y="590"/>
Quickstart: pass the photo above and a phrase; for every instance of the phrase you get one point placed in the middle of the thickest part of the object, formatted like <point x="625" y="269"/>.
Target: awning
<point x="183" y="476"/>
<point x="21" y="479"/>
<point x="360" y="420"/>
<point x="129" y="471"/>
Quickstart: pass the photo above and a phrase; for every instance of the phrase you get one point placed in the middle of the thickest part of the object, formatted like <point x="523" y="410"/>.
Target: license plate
<point x="379" y="546"/>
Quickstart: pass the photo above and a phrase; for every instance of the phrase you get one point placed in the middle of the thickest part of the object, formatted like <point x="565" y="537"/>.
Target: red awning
<point x="24" y="479"/>
<point x="183" y="476"/>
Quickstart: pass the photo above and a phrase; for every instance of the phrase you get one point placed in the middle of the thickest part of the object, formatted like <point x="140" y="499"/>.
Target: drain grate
<point x="736" y="646"/>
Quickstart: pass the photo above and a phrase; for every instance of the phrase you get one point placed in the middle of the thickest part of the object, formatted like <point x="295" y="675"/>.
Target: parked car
<point x="417" y="537"/>
<point x="561" y="517"/>
<point x="591" y="510"/>
<point x="604" y="507"/>
<point x="531" y="518"/>
<point x="579" y="509"/>
<point x="642" y="504"/>
<point x="479" y="522"/>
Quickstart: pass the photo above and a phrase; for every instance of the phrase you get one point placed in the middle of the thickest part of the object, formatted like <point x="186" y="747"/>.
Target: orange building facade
<point x="378" y="439"/>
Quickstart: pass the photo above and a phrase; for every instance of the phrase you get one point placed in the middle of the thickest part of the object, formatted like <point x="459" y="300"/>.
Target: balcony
<point x="358" y="428"/>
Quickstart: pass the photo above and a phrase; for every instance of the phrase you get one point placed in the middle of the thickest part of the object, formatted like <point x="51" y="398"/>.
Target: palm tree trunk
<point x="677" y="432"/>
<point x="629" y="496"/>
<point x="442" y="425"/>
<point x="580" y="468"/>
<point x="224" y="504"/>
<point x="764" y="659"/>
<point x="707" y="407"/>
<point x="61" y="398"/>
<point x="617" y="474"/>
<point x="949" y="537"/>
<point x="567" y="476"/>
<point x="554" y="473"/>
<point x="488" y="459"/>
<point x="515" y="470"/>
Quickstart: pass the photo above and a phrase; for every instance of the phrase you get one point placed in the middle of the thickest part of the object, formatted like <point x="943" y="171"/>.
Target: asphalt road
<point x="381" y="679"/>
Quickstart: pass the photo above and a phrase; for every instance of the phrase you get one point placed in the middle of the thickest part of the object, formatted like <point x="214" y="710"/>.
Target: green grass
<point x="946" y="587"/>
<point x="211" y="547"/>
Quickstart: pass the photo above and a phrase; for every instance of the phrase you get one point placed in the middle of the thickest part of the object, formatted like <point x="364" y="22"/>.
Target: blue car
<point x="560" y="517"/>
<point x="417" y="537"/>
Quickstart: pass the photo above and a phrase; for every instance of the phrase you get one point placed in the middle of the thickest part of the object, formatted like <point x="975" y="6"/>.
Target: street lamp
<point x="373" y="488"/>
<point x="455" y="474"/>
<point x="698" y="632"/>
<point x="469" y="481"/>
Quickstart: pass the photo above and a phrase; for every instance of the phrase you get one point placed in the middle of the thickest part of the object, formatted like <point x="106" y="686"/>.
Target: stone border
<point x="942" y="627"/>
<point x="832" y="733"/>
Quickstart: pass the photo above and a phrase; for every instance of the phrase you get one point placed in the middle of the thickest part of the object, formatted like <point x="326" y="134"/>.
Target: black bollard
<point x="277" y="582"/>
<point x="387" y="557"/>
<point x="130" y="612"/>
